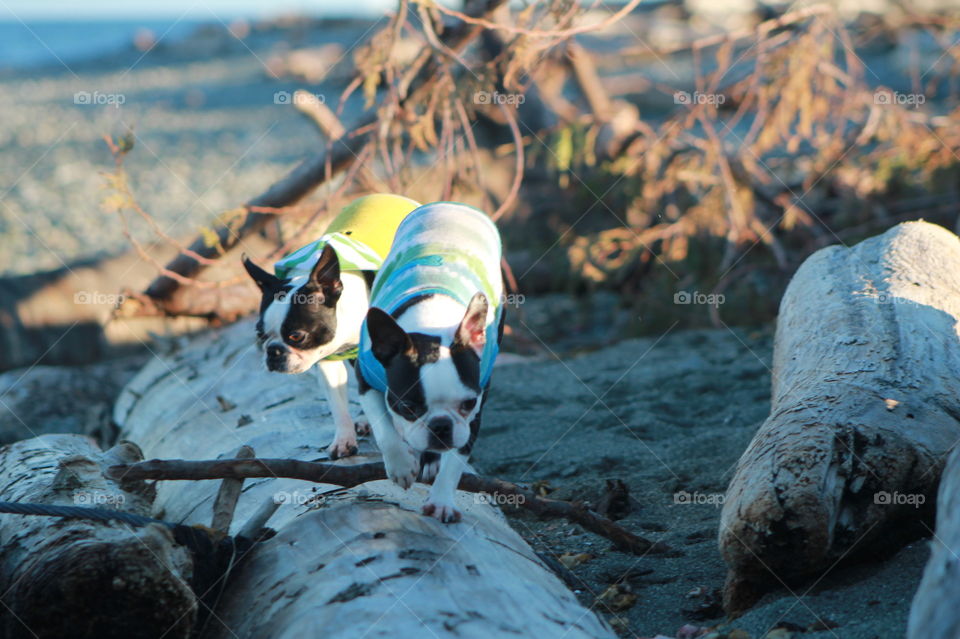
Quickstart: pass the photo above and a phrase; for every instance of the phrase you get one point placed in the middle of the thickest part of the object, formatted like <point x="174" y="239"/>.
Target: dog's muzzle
<point x="441" y="433"/>
<point x="276" y="358"/>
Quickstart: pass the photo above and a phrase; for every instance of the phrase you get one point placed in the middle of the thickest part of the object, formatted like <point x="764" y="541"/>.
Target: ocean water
<point x="45" y="43"/>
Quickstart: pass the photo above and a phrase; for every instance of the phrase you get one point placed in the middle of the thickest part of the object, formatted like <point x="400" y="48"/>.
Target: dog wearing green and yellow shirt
<point x="314" y="303"/>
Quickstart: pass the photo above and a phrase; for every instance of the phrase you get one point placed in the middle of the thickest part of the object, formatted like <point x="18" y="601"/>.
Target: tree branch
<point x="349" y="476"/>
<point x="302" y="180"/>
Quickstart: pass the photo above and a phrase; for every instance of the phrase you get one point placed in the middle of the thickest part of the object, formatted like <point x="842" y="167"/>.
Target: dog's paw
<point x="443" y="511"/>
<point x="341" y="448"/>
<point x="429" y="465"/>
<point x="362" y="427"/>
<point x="402" y="468"/>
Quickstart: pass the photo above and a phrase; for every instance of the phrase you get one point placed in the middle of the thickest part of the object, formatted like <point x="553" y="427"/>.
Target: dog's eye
<point x="467" y="406"/>
<point x="404" y="407"/>
<point x="296" y="337"/>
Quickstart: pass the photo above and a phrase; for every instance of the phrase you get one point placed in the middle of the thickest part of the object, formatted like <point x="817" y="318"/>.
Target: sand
<point x="208" y="135"/>
<point x="666" y="415"/>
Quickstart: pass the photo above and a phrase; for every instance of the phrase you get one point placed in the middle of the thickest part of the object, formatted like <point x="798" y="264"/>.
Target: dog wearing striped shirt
<point x="314" y="303"/>
<point x="428" y="346"/>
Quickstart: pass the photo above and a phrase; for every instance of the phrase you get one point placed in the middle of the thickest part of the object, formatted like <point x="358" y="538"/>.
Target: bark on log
<point x="934" y="612"/>
<point x="344" y="561"/>
<point x="81" y="578"/>
<point x="865" y="407"/>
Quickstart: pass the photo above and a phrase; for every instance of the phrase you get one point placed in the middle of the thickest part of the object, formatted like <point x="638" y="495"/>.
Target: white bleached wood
<point x="360" y="562"/>
<point x="934" y="612"/>
<point x="82" y="578"/>
<point x="865" y="405"/>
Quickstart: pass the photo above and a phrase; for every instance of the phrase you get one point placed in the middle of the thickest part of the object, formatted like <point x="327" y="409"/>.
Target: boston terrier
<point x="428" y="346"/>
<point x="312" y="308"/>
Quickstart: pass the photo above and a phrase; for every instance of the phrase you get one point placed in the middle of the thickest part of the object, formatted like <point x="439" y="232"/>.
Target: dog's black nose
<point x="275" y="351"/>
<point x="441" y="431"/>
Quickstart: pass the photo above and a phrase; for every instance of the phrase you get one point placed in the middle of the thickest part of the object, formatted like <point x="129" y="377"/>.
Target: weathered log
<point x="934" y="612"/>
<point x="82" y="578"/>
<point x="865" y="407"/>
<point x="344" y="562"/>
<point x="63" y="399"/>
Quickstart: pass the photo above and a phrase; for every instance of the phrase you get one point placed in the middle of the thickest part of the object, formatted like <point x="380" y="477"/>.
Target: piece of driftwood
<point x="306" y="177"/>
<point x="63" y="399"/>
<point x="934" y="612"/>
<point x="344" y="562"/>
<point x="235" y="470"/>
<point x="865" y="407"/>
<point x="229" y="494"/>
<point x="82" y="578"/>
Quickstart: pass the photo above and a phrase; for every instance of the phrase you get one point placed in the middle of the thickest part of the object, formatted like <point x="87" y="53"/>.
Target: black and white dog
<point x="312" y="309"/>
<point x="306" y="320"/>
<point x="428" y="347"/>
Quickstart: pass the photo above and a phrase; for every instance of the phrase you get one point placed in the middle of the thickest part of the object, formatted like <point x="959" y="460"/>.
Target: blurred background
<point x="651" y="164"/>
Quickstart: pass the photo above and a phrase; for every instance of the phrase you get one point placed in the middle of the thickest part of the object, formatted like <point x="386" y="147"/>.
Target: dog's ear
<point x="472" y="332"/>
<point x="326" y="274"/>
<point x="387" y="339"/>
<point x="264" y="280"/>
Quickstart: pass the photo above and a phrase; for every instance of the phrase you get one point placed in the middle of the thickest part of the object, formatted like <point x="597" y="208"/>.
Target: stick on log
<point x="350" y="476"/>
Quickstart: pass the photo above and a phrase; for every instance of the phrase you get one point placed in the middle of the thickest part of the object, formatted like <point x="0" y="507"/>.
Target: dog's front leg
<point x="440" y="503"/>
<point x="334" y="374"/>
<point x="401" y="464"/>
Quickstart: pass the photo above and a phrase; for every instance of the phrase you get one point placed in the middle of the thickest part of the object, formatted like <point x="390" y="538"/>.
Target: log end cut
<point x="105" y="588"/>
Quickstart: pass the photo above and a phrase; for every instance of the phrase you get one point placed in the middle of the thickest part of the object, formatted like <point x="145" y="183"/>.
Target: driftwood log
<point x="81" y="578"/>
<point x="934" y="612"/>
<point x="865" y="407"/>
<point x="344" y="562"/>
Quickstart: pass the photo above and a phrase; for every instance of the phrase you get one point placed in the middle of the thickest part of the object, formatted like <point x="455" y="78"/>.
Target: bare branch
<point x="349" y="476"/>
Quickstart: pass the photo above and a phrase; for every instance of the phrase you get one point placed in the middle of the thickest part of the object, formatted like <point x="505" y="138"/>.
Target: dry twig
<point x="349" y="476"/>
